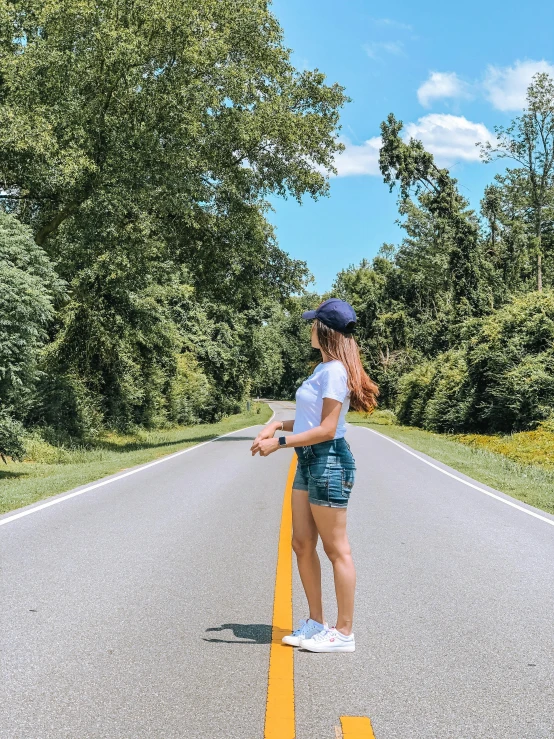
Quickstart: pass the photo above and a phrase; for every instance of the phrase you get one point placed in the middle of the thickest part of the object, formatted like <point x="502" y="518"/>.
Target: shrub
<point x="28" y="287"/>
<point x="11" y="444"/>
<point x="511" y="364"/>
<point x="190" y="391"/>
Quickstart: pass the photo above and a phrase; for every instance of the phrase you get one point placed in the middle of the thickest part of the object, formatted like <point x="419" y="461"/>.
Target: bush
<point x="414" y="390"/>
<point x="28" y="288"/>
<point x="511" y="365"/>
<point x="190" y="391"/>
<point x="502" y="379"/>
<point x="65" y="409"/>
<point x="450" y="404"/>
<point x="11" y="444"/>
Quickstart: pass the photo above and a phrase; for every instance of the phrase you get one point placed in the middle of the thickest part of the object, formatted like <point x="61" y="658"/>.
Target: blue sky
<point x="450" y="72"/>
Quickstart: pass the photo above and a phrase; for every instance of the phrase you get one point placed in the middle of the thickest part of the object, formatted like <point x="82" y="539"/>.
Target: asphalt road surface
<point x="143" y="608"/>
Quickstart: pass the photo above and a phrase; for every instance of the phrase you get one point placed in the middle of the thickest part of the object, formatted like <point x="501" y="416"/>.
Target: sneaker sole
<point x="345" y="648"/>
<point x="292" y="641"/>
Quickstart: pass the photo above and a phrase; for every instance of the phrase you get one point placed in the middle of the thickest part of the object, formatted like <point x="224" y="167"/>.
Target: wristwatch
<point x="282" y="441"/>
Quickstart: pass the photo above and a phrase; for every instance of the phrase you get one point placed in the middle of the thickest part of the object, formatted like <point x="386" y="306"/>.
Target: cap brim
<point x="308" y="315"/>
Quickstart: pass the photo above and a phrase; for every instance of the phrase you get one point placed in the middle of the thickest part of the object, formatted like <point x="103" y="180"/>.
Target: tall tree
<point x="175" y="105"/>
<point x="456" y="227"/>
<point x="529" y="141"/>
<point x="140" y="142"/>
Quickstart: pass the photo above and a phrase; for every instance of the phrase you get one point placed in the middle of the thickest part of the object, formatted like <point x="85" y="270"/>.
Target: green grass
<point x="480" y="458"/>
<point x="50" y="470"/>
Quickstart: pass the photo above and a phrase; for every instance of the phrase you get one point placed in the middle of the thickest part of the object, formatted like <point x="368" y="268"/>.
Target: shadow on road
<point x="236" y="438"/>
<point x="255" y="633"/>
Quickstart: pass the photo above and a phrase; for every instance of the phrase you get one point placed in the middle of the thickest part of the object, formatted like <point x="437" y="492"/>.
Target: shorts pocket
<point x="319" y="472"/>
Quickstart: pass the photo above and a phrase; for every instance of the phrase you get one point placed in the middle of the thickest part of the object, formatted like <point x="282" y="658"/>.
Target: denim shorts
<point x="326" y="470"/>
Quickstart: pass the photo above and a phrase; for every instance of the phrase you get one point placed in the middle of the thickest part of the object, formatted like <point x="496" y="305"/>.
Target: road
<point x="143" y="608"/>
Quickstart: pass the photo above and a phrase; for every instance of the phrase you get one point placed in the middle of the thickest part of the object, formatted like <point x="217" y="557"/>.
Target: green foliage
<point x="140" y="143"/>
<point x="11" y="433"/>
<point x="283" y="353"/>
<point x="190" y="391"/>
<point x="436" y="395"/>
<point x="529" y="143"/>
<point x="65" y="408"/>
<point x="501" y="380"/>
<point x="28" y="288"/>
<point x="511" y="361"/>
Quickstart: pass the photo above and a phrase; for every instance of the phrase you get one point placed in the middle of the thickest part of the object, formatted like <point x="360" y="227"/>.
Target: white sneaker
<point x="307" y="629"/>
<point x="329" y="640"/>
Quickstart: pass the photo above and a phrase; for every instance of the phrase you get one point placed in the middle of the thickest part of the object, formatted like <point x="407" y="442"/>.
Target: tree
<point x="29" y="288"/>
<point x="175" y="105"/>
<point x="140" y="142"/>
<point x="529" y="141"/>
<point x="456" y="228"/>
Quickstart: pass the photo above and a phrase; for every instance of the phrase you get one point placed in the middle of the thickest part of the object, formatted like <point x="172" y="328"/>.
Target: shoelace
<point x="321" y="635"/>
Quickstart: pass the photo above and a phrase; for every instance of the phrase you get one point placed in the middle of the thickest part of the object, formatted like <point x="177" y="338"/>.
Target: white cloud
<point x="449" y="138"/>
<point x="359" y="159"/>
<point x="375" y="49"/>
<point x="442" y="85"/>
<point x="506" y="87"/>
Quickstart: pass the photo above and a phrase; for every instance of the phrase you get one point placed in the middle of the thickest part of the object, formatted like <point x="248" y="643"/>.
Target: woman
<point x="325" y="472"/>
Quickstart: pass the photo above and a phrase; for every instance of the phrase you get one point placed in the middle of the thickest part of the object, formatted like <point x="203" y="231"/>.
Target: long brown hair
<point x="344" y="347"/>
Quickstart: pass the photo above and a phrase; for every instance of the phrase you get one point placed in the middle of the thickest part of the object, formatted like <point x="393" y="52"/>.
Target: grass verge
<point x="530" y="483"/>
<point x="62" y="469"/>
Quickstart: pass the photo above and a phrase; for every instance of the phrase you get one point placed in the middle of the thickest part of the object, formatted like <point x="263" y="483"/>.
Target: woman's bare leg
<point x="304" y="542"/>
<point x="331" y="525"/>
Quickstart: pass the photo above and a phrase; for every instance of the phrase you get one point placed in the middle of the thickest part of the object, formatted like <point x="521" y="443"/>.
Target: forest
<point x="456" y="323"/>
<point x="141" y="283"/>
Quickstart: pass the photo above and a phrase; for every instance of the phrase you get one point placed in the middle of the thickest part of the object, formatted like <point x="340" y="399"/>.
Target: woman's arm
<point x="268" y="431"/>
<point x="287" y="425"/>
<point x="324" y="432"/>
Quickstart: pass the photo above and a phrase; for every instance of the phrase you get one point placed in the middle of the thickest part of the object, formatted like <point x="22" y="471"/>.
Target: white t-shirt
<point x="328" y="380"/>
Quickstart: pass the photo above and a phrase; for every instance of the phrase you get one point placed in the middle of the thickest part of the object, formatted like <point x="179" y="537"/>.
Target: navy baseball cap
<point x="335" y="313"/>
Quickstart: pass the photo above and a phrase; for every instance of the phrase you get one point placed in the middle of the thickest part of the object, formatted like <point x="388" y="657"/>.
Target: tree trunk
<point x="539" y="258"/>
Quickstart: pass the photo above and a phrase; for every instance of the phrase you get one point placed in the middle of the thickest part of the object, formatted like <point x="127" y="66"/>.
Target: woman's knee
<point x="337" y="550"/>
<point x="303" y="545"/>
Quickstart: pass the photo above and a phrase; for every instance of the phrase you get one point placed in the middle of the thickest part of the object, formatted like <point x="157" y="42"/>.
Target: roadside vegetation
<point x="50" y="469"/>
<point x="141" y="283"/>
<point x="520" y="465"/>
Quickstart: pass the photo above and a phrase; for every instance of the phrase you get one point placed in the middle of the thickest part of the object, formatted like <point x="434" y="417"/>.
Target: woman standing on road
<point x="325" y="472"/>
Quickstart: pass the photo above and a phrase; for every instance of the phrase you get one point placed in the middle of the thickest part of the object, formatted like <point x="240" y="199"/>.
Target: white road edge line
<point x="142" y="467"/>
<point x="460" y="479"/>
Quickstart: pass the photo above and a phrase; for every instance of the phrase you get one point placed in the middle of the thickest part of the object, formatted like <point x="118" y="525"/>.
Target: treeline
<point x="139" y="143"/>
<point x="456" y="322"/>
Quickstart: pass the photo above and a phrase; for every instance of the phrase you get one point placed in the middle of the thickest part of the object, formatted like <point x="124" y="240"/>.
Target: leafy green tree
<point x="176" y="107"/>
<point x="529" y="141"/>
<point x="414" y="169"/>
<point x="29" y="288"/>
<point x="140" y="143"/>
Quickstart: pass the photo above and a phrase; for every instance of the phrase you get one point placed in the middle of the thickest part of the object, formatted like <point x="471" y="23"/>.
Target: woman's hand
<point x="267" y="432"/>
<point x="264" y="446"/>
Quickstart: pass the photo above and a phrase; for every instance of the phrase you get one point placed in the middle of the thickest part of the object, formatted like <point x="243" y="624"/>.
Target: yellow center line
<point x="279" y="713"/>
<point x="356" y="727"/>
